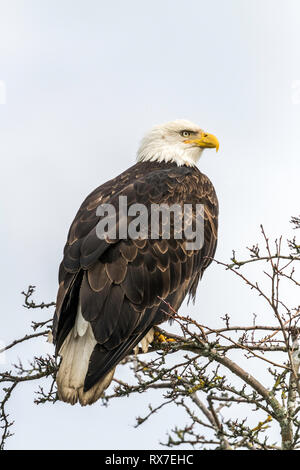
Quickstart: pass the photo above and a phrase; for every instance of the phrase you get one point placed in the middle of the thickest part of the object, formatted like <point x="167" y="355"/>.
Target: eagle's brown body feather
<point x="119" y="284"/>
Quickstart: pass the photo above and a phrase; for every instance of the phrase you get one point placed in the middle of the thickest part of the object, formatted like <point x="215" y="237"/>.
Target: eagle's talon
<point x="160" y="338"/>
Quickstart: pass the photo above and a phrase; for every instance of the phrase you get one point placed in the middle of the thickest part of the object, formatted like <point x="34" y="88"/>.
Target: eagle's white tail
<point x="76" y="352"/>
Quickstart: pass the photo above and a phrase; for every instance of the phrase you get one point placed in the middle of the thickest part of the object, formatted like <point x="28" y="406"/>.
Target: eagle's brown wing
<point x="120" y="283"/>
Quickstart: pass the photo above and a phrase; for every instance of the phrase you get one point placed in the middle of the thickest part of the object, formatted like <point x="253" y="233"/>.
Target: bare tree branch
<point x="214" y="368"/>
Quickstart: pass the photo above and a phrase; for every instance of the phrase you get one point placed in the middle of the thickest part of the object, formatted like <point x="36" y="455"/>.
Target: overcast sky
<point x="80" y="83"/>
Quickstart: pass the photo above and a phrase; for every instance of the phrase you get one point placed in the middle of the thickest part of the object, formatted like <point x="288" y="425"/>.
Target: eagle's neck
<point x="162" y="152"/>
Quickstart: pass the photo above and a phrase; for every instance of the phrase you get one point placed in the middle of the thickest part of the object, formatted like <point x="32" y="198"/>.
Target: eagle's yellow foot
<point x="162" y="338"/>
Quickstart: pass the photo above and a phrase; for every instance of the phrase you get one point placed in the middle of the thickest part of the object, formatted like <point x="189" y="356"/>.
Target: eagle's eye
<point x="185" y="133"/>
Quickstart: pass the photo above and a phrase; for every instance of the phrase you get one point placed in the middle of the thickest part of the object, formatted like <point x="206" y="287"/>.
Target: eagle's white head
<point x="178" y="141"/>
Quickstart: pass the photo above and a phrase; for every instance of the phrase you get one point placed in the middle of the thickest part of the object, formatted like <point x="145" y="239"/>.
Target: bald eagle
<point x="113" y="290"/>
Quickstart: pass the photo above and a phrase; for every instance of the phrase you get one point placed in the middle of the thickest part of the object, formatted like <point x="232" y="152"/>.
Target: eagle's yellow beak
<point x="205" y="141"/>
